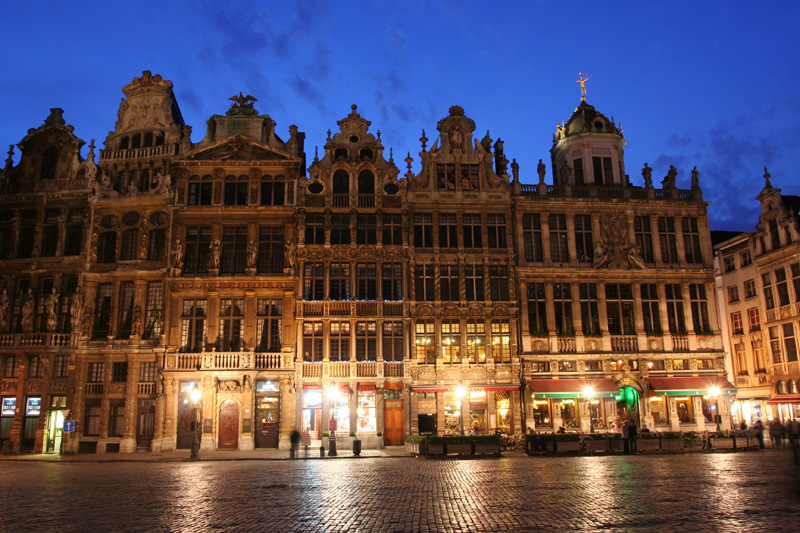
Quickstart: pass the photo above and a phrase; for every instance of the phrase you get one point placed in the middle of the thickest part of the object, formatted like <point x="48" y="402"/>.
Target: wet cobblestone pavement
<point x="683" y="492"/>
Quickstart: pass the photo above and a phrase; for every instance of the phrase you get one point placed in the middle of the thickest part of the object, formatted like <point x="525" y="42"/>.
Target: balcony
<point x="146" y="388"/>
<point x="229" y="361"/>
<point x="566" y="345"/>
<point x="624" y="343"/>
<point x="350" y="308"/>
<point x="352" y="369"/>
<point x="608" y="191"/>
<point x="164" y="150"/>
<point x="93" y="389"/>
<point x="25" y="340"/>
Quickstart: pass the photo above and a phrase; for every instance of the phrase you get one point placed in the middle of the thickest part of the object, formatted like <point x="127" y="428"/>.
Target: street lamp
<point x="588" y="392"/>
<point x="715" y="394"/>
<point x="333" y="397"/>
<point x="461" y="391"/>
<point x="195" y="395"/>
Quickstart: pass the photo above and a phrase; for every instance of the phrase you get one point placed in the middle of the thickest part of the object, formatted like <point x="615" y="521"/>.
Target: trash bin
<point x="332" y="445"/>
<point x="356" y="446"/>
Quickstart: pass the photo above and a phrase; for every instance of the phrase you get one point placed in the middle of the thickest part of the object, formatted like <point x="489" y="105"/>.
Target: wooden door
<point x="393" y="433"/>
<point x="229" y="425"/>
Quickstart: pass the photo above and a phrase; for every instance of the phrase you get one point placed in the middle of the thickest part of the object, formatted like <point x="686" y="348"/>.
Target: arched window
<point x="366" y="189"/>
<point x="159" y="136"/>
<point x="791" y="388"/>
<point x="341" y="189"/>
<point x="236" y="188"/>
<point x="136" y="142"/>
<point x="780" y="388"/>
<point x="123" y="143"/>
<point x="49" y="161"/>
<point x="107" y="247"/>
<point x="148" y="140"/>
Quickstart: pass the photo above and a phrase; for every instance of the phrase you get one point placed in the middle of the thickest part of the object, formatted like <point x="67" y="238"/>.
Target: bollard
<point x="332" y="445"/>
<point x="356" y="446"/>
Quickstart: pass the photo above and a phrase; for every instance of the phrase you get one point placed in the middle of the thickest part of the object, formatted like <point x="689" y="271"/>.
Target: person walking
<point x="305" y="440"/>
<point x="759" y="428"/>
<point x="632" y="437"/>
<point x="294" y="439"/>
<point x="775" y="433"/>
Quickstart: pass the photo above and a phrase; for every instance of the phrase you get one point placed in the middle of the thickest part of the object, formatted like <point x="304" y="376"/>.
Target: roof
<point x="791" y="202"/>
<point x="720" y="236"/>
<point x="690" y="386"/>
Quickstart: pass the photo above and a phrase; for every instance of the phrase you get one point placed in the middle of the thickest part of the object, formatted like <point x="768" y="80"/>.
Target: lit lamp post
<point x="461" y="391"/>
<point x="588" y="392"/>
<point x="195" y="395"/>
<point x="715" y="394"/>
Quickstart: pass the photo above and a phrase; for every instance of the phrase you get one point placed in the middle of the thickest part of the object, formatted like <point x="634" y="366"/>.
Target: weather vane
<point x="581" y="78"/>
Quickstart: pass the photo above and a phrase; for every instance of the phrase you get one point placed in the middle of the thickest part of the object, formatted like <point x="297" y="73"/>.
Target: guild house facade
<point x="160" y="285"/>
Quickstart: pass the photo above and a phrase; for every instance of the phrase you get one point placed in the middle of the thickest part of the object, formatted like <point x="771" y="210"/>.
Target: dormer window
<point x="49" y="160"/>
<point x="340" y="153"/>
<point x="603" y="173"/>
<point x="774" y="234"/>
<point x="366" y="154"/>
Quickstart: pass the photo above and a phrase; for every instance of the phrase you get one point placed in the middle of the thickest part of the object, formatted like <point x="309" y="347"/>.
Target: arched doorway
<point x="229" y="425"/>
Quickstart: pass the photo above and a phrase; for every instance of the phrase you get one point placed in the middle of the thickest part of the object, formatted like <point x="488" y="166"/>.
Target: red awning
<point x="572" y="388"/>
<point x="690" y="386"/>
<point x="312" y="386"/>
<point x="366" y="388"/>
<point x="786" y="399"/>
<point x="452" y="388"/>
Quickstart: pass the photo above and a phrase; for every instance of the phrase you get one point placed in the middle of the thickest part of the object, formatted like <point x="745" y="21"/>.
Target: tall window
<point x="795" y="281"/>
<point x="366" y="228"/>
<point x="501" y="341"/>
<point x="231" y="325"/>
<point x="49" y="233"/>
<point x="775" y="344"/>
<point x="603" y="173"/>
<point x="590" y="315"/>
<point x="147" y="372"/>
<point x="27" y="231"/>
<point x="498" y="283"/>
<point x="96" y="373"/>
<point x="116" y="418"/>
<point x="583" y="238"/>
<point x="789" y="344"/>
<point x="313" y="281"/>
<point x="271" y="249"/>
<point x="691" y="240"/>
<point x="392" y="341"/>
<point x="472" y="231"/>
<point x="130" y="245"/>
<point x="236" y="188"/>
<point x="92" y="421"/>
<point x="200" y="190"/>
<point x="197" y="252"/>
<point x="392" y="229"/>
<point x="268" y="333"/>
<point x="125" y="324"/>
<point x="578" y="166"/>
<point x="106" y="247"/>
<point x="445" y="177"/>
<point x="451" y="340"/>
<point x="234" y="250"/>
<point x="745" y="258"/>
<point x="750" y="290"/>
<point x="392" y="281"/>
<point x="366" y="281"/>
<point x="782" y="286"/>
<point x="193" y="325"/>
<point x="775" y="235"/>
<point x="562" y="309"/>
<point x="532" y="237"/>
<point x="559" y="240"/>
<point x="340" y="281"/>
<point x="619" y="308"/>
<point x="73" y="243"/>
<point x="423" y="286"/>
<point x="754" y="319"/>
<point x="476" y="340"/>
<point x="119" y="371"/>
<point x="60" y="366"/>
<point x="651" y="309"/>
<point x="312" y="341"/>
<point x="10" y="367"/>
<point x="644" y="238"/>
<point x="769" y="299"/>
<point x="733" y="293"/>
<point x="496" y="229"/>
<point x="730" y="263"/>
<point x="666" y="236"/>
<point x="366" y="341"/>
<point x="423" y="230"/>
<point x="315" y="228"/>
<point x="675" y="312"/>
<point x="339" y="341"/>
<point x="448" y="275"/>
<point x="537" y="309"/>
<point x="273" y="192"/>
<point x="102" y="316"/>
<point x="157" y="244"/>
<point x="473" y="278"/>
<point x="340" y="228"/>
<point x="448" y="231"/>
<point x="34" y="366"/>
<point x="736" y="323"/>
<point x="424" y="346"/>
<point x="697" y="297"/>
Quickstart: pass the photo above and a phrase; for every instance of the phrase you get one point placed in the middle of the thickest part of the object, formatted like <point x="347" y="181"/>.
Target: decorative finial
<point x="767" y="185"/>
<point x="391" y="154"/>
<point x="91" y="147"/>
<point x="329" y="134"/>
<point x="379" y="135"/>
<point x="316" y="154"/>
<point x="423" y="140"/>
<point x="354" y="107"/>
<point x="408" y="161"/>
<point x="10" y="154"/>
<point x="582" y="78"/>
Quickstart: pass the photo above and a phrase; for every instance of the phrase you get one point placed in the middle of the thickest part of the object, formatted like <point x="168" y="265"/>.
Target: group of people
<point x="784" y="434"/>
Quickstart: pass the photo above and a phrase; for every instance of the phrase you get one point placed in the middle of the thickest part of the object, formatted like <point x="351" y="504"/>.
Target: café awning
<point x="785" y="399"/>
<point x="572" y="388"/>
<point x="452" y="388"/>
<point x="690" y="386"/>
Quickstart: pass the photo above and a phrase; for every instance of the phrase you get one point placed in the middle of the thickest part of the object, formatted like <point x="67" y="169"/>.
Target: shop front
<point x="311" y="421"/>
<point x="393" y="419"/>
<point x="186" y="422"/>
<point x="33" y="410"/>
<point x="785" y="407"/>
<point x="577" y="404"/>
<point x="55" y="424"/>
<point x="694" y="403"/>
<point x="267" y="414"/>
<point x="8" y="409"/>
<point x="471" y="410"/>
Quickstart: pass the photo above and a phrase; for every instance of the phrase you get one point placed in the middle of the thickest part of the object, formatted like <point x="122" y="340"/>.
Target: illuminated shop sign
<point x="34" y="406"/>
<point x="9" y="406"/>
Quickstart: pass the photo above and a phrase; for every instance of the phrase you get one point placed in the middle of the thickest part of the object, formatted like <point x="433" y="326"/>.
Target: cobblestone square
<point x="699" y="492"/>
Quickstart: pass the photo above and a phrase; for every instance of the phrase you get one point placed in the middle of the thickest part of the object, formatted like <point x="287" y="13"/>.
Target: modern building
<point x="758" y="282"/>
<point x="225" y="290"/>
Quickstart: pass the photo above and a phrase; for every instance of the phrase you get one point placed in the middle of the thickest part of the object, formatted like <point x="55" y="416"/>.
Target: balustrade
<point x="93" y="388"/>
<point x="393" y="370"/>
<point x="367" y="369"/>
<point x="146" y="388"/>
<point x="136" y="153"/>
<point x="624" y="344"/>
<point x="566" y="345"/>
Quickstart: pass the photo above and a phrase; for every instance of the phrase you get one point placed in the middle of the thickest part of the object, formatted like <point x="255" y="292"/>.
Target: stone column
<point x="128" y="442"/>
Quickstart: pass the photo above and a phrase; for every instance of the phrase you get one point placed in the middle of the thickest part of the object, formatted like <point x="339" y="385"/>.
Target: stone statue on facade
<point x="541" y="169"/>
<point x="177" y="255"/>
<point x="695" y="179"/>
<point x="647" y="173"/>
<point x="50" y="305"/>
<point x="214" y="254"/>
<point x="252" y="254"/>
<point x="515" y="170"/>
<point x="670" y="179"/>
<point x="75" y="304"/>
<point x="4" y="310"/>
<point x="162" y="184"/>
<point x="291" y="256"/>
<point x="28" y="304"/>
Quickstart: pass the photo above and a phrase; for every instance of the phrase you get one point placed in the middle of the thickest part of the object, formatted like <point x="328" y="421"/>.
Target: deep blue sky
<point x="706" y="83"/>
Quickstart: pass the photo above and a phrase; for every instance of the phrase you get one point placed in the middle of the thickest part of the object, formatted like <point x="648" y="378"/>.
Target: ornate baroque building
<point x="343" y="296"/>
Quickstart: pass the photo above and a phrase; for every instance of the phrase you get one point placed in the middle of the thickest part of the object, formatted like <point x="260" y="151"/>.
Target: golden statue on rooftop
<point x="243" y="101"/>
<point x="582" y="77"/>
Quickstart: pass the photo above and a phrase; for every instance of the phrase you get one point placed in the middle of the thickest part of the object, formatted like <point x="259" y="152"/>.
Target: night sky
<point x="704" y="83"/>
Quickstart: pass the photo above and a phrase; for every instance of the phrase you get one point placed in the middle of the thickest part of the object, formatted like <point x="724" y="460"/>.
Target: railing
<point x="566" y="345"/>
<point x="268" y="361"/>
<point x="229" y="361"/>
<point x="186" y="362"/>
<point x="136" y="153"/>
<point x="629" y="344"/>
<point x="680" y="344"/>
<point x="312" y="370"/>
<point x="367" y="309"/>
<point x="350" y="308"/>
<point x="93" y="388"/>
<point x="608" y="191"/>
<point x="19" y="340"/>
<point x="367" y="370"/>
<point x="340" y="200"/>
<point x="393" y="370"/>
<point x="339" y="370"/>
<point x="146" y="388"/>
<point x="366" y="200"/>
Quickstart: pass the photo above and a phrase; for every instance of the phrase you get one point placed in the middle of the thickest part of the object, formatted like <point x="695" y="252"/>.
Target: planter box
<point x="435" y="449"/>
<point x="460" y="448"/>
<point x="671" y="444"/>
<point x="721" y="443"/>
<point x="597" y="445"/>
<point x="746" y="443"/>
<point x="416" y="448"/>
<point x="567" y="446"/>
<point x="648" y="445"/>
<point x="487" y="448"/>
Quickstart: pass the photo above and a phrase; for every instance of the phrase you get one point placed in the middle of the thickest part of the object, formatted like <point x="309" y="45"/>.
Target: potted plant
<point x="435" y="445"/>
<point x="648" y="442"/>
<point x="379" y="442"/>
<point x="356" y="443"/>
<point x="671" y="440"/>
<point x="486" y="444"/>
<point x="459" y="444"/>
<point x="597" y="442"/>
<point x="564" y="442"/>
<point x="720" y="441"/>
<point x="415" y="444"/>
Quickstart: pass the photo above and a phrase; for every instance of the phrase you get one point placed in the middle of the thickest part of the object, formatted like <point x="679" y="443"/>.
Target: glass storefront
<point x="503" y="403"/>
<point x="659" y="410"/>
<point x="685" y="408"/>
<point x="569" y="412"/>
<point x="312" y="412"/>
<point x="9" y="407"/>
<point x="541" y="413"/>
<point x="367" y="401"/>
<point x="709" y="409"/>
<point x="477" y="412"/>
<point x="340" y="409"/>
<point x="452" y="414"/>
